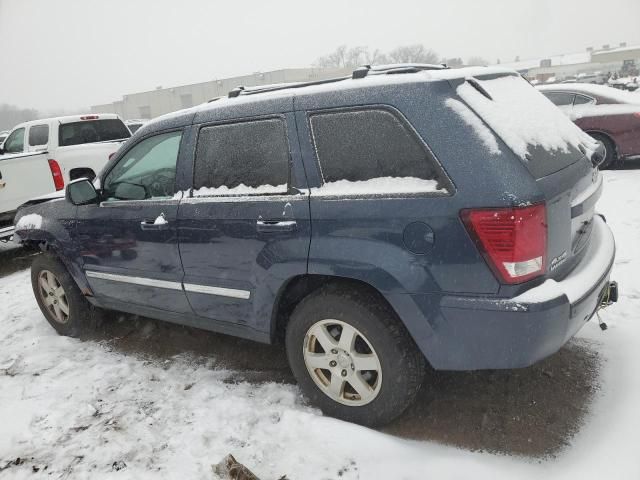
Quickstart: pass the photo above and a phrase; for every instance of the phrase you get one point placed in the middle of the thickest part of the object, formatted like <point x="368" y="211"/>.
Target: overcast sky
<point x="76" y="53"/>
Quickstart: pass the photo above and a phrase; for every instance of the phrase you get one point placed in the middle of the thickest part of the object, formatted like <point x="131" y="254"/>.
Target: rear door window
<point x="92" y="131"/>
<point x="38" y="135"/>
<point x="242" y="159"/>
<point x="374" y="150"/>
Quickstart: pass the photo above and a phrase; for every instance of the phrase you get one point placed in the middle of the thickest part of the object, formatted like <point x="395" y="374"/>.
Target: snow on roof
<point x="592" y="89"/>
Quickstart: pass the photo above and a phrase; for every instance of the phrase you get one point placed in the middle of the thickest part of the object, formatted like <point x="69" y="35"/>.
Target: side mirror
<point x="81" y="192"/>
<point x="2" y="152"/>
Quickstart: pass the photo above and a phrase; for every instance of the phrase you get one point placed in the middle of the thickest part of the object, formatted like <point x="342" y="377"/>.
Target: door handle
<point x="268" y="226"/>
<point x="152" y="225"/>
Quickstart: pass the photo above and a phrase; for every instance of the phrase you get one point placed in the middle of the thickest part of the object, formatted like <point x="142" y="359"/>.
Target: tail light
<point x="56" y="173"/>
<point x="513" y="240"/>
<point x="636" y="114"/>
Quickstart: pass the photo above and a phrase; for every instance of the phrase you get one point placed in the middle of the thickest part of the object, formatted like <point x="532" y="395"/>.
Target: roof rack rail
<point x="365" y="70"/>
<point x="359" y="72"/>
<point x="242" y="90"/>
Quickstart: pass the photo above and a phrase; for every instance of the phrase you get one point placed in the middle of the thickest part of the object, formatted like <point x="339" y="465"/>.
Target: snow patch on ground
<point x="85" y="410"/>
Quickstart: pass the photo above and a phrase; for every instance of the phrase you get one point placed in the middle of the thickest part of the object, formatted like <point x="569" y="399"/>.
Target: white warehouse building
<point x="164" y="100"/>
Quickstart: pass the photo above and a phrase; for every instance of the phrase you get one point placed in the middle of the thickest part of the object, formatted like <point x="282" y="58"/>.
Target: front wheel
<point x="352" y="357"/>
<point x="60" y="299"/>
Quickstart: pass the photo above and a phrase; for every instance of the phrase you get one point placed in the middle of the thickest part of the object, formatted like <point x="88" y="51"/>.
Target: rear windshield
<point x="92" y="131"/>
<point x="529" y="124"/>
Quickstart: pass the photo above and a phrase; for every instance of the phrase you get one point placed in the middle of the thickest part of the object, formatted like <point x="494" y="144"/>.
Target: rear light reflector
<point x="56" y="173"/>
<point x="513" y="240"/>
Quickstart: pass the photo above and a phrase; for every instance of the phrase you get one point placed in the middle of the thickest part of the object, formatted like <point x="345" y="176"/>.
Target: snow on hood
<point x="33" y="221"/>
<point x="523" y="117"/>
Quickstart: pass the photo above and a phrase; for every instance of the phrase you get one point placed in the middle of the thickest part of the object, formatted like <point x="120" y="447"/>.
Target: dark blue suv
<point x="406" y="215"/>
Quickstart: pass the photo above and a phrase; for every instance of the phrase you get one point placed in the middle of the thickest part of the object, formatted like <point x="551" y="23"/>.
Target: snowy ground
<point x="99" y="408"/>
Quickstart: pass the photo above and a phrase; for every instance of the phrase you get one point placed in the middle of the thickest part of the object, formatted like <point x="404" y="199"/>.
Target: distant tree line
<point x="351" y="57"/>
<point x="11" y="115"/>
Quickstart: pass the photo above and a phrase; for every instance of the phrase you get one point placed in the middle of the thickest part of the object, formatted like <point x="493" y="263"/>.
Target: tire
<point x="610" y="157"/>
<point x="377" y="335"/>
<point x="62" y="303"/>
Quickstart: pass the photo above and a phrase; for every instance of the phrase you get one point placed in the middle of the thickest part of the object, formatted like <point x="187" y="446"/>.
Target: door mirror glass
<point x="81" y="192"/>
<point x="130" y="191"/>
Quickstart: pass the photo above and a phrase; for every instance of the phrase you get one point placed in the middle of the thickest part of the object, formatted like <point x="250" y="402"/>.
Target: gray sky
<point x="75" y="53"/>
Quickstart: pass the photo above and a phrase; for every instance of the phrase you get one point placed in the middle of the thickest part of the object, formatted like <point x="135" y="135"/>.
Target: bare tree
<point x="350" y="57"/>
<point x="476" y="61"/>
<point x="334" y="59"/>
<point x="344" y="57"/>
<point x="413" y="54"/>
<point x="376" y="57"/>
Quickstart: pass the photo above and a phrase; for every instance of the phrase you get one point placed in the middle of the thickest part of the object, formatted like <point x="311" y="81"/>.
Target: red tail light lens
<point x="56" y="173"/>
<point x="512" y="240"/>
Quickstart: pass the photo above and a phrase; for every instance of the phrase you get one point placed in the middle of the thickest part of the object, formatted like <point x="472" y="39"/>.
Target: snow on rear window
<point x="481" y="130"/>
<point x="523" y="117"/>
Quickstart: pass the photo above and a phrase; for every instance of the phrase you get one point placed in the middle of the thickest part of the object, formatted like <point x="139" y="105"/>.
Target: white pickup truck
<point x="40" y="157"/>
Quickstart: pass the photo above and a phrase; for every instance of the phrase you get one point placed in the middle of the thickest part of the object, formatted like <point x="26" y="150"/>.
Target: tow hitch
<point x="608" y="297"/>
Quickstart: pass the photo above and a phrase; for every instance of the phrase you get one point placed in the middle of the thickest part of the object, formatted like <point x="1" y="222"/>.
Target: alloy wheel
<point x="342" y="362"/>
<point x="53" y="296"/>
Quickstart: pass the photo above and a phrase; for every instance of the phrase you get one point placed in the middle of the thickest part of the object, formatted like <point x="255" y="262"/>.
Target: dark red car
<point x="610" y="116"/>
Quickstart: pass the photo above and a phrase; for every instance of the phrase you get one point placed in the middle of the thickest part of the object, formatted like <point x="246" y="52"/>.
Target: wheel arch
<point x="300" y="286"/>
<point x="608" y="136"/>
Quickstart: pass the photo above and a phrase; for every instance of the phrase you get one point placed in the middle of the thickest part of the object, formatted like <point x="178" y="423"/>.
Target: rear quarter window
<point x="92" y="131"/>
<point x="375" y="149"/>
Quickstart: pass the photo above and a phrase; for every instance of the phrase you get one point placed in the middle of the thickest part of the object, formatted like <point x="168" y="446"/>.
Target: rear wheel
<point x="60" y="299"/>
<point x="610" y="155"/>
<point x="352" y="357"/>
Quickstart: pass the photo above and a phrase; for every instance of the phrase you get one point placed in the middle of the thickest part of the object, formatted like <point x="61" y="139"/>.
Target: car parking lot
<point x="138" y="391"/>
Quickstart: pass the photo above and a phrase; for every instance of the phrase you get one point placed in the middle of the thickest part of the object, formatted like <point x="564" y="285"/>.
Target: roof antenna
<point x="236" y="92"/>
<point x="361" y="72"/>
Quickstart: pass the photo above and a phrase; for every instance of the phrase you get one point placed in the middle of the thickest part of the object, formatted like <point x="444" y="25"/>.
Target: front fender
<point x="50" y="226"/>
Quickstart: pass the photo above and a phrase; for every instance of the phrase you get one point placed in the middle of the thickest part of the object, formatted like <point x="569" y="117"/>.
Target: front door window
<point x="147" y="171"/>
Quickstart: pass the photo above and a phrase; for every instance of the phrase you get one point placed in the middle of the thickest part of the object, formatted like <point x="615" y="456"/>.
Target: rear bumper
<point x="472" y="333"/>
